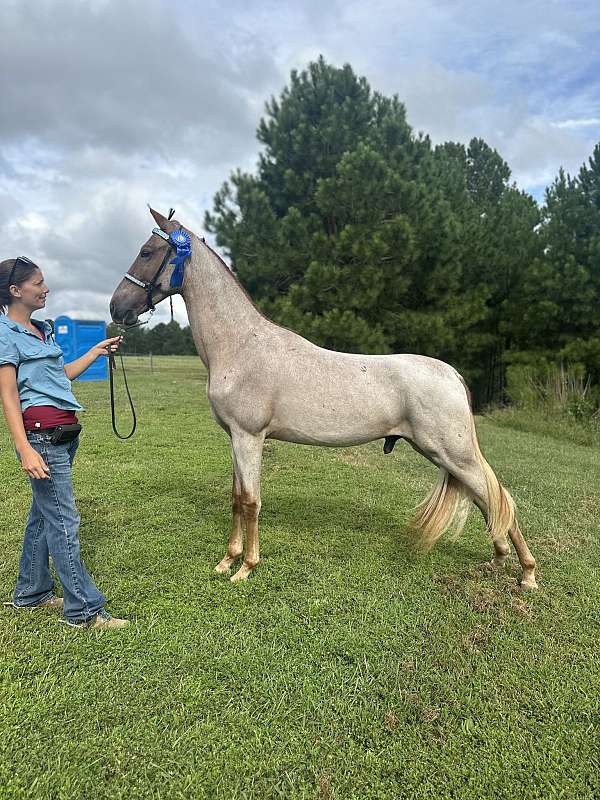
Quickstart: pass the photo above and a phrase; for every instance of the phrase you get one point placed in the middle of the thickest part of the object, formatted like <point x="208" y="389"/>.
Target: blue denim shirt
<point x="41" y="377"/>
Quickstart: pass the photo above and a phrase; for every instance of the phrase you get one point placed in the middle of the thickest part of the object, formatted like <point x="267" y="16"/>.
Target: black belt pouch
<point x="65" y="433"/>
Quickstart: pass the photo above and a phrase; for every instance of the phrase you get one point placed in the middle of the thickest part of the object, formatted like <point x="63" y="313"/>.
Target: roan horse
<point x="266" y="381"/>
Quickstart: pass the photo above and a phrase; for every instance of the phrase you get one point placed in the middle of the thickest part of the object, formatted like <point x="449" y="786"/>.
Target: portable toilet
<point x="75" y="337"/>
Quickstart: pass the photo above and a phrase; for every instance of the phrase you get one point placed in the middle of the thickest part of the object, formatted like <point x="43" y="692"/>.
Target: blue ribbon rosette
<point x="183" y="246"/>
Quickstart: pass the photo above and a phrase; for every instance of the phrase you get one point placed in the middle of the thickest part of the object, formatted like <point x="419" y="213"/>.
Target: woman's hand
<point x="106" y="346"/>
<point x="33" y="464"/>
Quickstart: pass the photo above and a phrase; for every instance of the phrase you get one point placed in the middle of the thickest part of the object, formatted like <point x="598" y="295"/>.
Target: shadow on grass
<point x="185" y="526"/>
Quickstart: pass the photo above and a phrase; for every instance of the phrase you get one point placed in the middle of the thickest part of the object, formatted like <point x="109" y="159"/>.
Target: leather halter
<point x="150" y="286"/>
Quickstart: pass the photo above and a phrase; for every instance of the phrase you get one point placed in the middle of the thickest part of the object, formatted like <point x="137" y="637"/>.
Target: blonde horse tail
<point x="500" y="505"/>
<point x="447" y="506"/>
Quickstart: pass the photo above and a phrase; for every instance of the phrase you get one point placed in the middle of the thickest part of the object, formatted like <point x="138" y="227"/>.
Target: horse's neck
<point x="219" y="311"/>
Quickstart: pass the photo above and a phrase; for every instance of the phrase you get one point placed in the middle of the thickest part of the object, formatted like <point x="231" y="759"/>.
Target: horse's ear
<point x="162" y="222"/>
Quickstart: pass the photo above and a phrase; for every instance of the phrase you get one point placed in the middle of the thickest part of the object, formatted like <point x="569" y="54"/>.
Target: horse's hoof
<point x="529" y="585"/>
<point x="241" y="574"/>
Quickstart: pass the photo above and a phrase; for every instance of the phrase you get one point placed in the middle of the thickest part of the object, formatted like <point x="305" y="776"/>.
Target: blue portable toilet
<point x="75" y="337"/>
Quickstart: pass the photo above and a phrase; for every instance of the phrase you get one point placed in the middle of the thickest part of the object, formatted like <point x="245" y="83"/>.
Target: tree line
<point x="362" y="235"/>
<point x="164" y="339"/>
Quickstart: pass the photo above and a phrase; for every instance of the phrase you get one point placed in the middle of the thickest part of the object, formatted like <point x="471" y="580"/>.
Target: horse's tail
<point x="500" y="505"/>
<point x="447" y="506"/>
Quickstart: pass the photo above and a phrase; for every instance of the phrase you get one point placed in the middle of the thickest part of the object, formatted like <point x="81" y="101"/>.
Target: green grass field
<point x="346" y="667"/>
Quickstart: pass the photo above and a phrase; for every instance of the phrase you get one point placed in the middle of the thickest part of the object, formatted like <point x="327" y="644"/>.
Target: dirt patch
<point x="325" y="791"/>
<point x="485" y="600"/>
<point x="451" y="584"/>
<point x="477" y="639"/>
<point x="391" y="720"/>
<point x="429" y="715"/>
<point x="499" y="596"/>
<point x="520" y="607"/>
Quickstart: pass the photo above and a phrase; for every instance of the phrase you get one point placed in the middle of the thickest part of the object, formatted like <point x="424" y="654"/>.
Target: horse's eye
<point x="146" y="253"/>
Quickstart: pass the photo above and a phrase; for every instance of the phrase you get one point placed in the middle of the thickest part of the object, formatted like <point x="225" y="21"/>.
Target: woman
<point x="39" y="406"/>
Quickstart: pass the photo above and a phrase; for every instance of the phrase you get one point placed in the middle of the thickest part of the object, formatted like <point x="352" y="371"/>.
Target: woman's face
<point x="32" y="292"/>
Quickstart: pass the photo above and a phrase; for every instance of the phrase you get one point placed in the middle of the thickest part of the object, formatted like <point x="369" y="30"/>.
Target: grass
<point x="346" y="667"/>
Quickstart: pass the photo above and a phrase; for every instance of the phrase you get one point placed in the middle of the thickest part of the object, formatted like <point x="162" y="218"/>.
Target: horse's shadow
<point x="338" y="528"/>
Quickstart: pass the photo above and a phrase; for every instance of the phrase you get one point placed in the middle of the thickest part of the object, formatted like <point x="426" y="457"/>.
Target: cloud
<point x="109" y="105"/>
<point x="592" y="122"/>
<point x="509" y="74"/>
<point x="110" y="109"/>
<point x="106" y="75"/>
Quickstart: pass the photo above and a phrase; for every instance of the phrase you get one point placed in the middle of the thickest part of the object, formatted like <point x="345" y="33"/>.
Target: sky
<point x="108" y="105"/>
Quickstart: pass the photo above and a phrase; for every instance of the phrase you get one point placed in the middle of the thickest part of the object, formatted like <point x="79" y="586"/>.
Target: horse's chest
<point x="219" y="418"/>
<point x="222" y="390"/>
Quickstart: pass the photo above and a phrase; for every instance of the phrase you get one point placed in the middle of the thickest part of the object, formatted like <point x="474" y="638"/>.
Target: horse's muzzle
<point x="127" y="318"/>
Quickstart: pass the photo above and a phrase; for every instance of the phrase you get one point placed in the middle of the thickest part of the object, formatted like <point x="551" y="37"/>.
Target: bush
<point x="553" y="390"/>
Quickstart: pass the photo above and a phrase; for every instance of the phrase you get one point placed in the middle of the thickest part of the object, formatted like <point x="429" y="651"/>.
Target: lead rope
<point x="111" y="367"/>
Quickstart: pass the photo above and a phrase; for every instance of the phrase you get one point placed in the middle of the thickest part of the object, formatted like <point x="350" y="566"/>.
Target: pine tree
<point x="359" y="235"/>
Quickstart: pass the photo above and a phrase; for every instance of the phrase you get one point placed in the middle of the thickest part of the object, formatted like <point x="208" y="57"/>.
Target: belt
<point x="46" y="431"/>
<point x="61" y="434"/>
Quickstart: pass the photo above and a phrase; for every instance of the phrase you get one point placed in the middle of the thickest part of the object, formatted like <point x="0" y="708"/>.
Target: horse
<point x="267" y="382"/>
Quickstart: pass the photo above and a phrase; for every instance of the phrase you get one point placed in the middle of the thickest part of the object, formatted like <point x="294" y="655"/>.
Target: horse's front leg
<point x="235" y="546"/>
<point x="247" y="458"/>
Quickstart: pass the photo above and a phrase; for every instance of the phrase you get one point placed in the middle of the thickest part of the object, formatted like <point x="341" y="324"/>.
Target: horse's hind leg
<point x="502" y="551"/>
<point x="526" y="559"/>
<point x="235" y="546"/>
<point x="473" y="478"/>
<point x="500" y="541"/>
<point x="449" y="440"/>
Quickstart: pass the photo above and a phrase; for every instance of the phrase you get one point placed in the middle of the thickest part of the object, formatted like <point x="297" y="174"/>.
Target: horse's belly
<point x="319" y="424"/>
<point x="323" y="438"/>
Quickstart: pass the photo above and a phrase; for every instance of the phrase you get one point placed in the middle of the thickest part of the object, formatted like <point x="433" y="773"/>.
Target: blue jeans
<point x="52" y="530"/>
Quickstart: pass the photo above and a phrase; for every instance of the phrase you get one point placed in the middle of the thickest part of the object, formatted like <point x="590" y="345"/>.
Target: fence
<point x="190" y="366"/>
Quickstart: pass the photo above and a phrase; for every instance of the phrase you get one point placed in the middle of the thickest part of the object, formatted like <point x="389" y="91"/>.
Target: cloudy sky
<point x="107" y="105"/>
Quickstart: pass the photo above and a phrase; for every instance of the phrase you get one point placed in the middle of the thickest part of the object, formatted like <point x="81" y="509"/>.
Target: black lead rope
<point x="111" y="368"/>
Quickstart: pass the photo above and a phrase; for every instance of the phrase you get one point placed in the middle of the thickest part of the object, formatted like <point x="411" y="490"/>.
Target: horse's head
<point x="148" y="279"/>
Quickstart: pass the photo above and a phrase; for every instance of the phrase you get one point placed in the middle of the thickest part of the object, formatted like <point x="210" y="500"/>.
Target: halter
<point x="150" y="286"/>
<point x="178" y="240"/>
